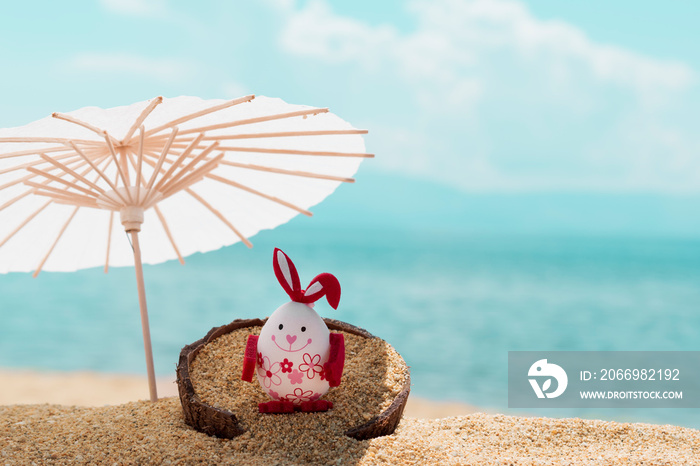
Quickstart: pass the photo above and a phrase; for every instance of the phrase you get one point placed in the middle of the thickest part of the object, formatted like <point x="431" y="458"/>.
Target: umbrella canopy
<point x="187" y="175"/>
<point x="278" y="161"/>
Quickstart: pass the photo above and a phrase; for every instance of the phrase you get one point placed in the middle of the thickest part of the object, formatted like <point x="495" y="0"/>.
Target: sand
<point x="147" y="433"/>
<point x="90" y="389"/>
<point x="141" y="432"/>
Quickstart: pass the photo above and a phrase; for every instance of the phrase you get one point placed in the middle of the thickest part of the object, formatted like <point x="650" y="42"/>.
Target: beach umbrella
<point x="179" y="176"/>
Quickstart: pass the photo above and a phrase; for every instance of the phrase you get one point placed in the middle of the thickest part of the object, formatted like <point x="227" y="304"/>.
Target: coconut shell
<point x="224" y="424"/>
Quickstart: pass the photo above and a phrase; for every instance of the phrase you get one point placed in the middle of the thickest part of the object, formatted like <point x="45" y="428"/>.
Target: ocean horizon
<point x="452" y="304"/>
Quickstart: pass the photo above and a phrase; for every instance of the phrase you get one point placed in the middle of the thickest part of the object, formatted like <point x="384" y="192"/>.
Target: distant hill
<point x="387" y="201"/>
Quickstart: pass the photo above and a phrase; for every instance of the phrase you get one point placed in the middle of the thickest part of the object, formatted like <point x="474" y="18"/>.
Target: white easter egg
<point x="292" y="348"/>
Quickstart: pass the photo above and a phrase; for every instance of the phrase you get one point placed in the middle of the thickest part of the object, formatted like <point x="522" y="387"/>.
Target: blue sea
<point x="452" y="304"/>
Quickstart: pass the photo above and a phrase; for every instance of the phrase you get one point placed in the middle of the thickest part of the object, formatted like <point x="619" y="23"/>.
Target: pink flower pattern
<point x="269" y="372"/>
<point x="295" y="377"/>
<point x="299" y="396"/>
<point x="274" y="395"/>
<point x="311" y="365"/>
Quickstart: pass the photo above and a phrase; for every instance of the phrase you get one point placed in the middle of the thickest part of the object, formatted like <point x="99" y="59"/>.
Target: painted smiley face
<point x="294" y="327"/>
<point x="290" y="340"/>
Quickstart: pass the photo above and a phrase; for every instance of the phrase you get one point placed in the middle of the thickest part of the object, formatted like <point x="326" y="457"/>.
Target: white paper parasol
<point x="190" y="175"/>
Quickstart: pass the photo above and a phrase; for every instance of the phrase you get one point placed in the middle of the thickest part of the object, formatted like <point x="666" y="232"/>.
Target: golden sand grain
<point x="373" y="376"/>
<point x="155" y="433"/>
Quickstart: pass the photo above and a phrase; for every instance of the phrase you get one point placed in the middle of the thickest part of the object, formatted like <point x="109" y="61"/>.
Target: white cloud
<point x="159" y="69"/>
<point x="317" y="31"/>
<point x="455" y="37"/>
<point x="509" y="101"/>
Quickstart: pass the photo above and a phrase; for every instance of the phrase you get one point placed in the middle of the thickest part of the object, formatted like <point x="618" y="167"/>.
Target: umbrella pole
<point x="144" y="315"/>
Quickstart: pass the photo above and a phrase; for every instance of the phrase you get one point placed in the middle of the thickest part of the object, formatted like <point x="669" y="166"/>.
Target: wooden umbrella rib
<point x="104" y="199"/>
<point x="109" y="239"/>
<point x="263" y="150"/>
<point x="29" y="140"/>
<point x="58" y="180"/>
<point x="123" y="153"/>
<point x="258" y="193"/>
<point x="277" y="134"/>
<point x="175" y="154"/>
<point x="39" y="162"/>
<point x="168" y="234"/>
<point x="163" y="222"/>
<point x="26" y="193"/>
<point x="65" y="197"/>
<point x="156" y="157"/>
<point x="33" y="152"/>
<point x="220" y="216"/>
<point x="142" y="117"/>
<point x="35" y="162"/>
<point x="74" y="157"/>
<point x="141" y="181"/>
<point x="72" y="173"/>
<point x="76" y="176"/>
<point x="288" y="172"/>
<point x="60" y="192"/>
<point x="161" y="159"/>
<point x="250" y="121"/>
<point x="178" y="162"/>
<point x="200" y="113"/>
<point x="65" y="200"/>
<point x="192" y="177"/>
<point x="182" y="185"/>
<point x="99" y="159"/>
<point x="130" y="161"/>
<point x="76" y="121"/>
<point x="29" y="177"/>
<point x="284" y="134"/>
<point x="24" y="223"/>
<point x="151" y="192"/>
<point x="53" y="246"/>
<point x="176" y="177"/>
<point x="201" y="156"/>
<point x="140" y="163"/>
<point x="79" y="164"/>
<point x="99" y="172"/>
<point x="157" y="146"/>
<point x="113" y="153"/>
<point x="156" y="142"/>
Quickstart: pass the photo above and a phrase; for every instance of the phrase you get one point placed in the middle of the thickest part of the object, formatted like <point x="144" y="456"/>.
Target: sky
<point x="473" y="98"/>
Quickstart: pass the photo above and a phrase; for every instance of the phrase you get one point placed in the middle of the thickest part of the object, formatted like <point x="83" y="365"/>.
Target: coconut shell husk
<point x="224" y="424"/>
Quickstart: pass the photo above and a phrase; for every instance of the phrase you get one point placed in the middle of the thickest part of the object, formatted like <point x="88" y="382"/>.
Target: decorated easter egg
<point x="292" y="348"/>
<point x="296" y="358"/>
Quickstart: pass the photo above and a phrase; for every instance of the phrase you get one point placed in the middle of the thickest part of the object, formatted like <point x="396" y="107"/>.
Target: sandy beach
<point x="81" y="418"/>
<point x="90" y="389"/>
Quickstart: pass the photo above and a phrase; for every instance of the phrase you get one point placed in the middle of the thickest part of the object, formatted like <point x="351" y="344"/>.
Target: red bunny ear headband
<point x="323" y="284"/>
